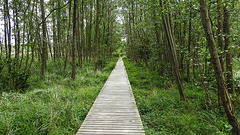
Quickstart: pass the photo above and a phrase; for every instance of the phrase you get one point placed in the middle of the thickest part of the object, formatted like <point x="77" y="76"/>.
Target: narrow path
<point x="114" y="111"/>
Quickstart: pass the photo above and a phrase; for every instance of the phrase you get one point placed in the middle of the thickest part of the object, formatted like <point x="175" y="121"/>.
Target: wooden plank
<point x="114" y="111"/>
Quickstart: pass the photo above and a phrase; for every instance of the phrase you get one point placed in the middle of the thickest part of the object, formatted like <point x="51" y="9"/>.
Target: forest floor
<point x="54" y="104"/>
<point x="162" y="111"/>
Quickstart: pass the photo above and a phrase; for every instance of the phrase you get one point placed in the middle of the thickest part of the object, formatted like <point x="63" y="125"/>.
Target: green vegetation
<point x="162" y="111"/>
<point x="55" y="104"/>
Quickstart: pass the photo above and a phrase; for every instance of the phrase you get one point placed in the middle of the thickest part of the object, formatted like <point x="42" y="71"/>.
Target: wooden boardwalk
<point x="114" y="111"/>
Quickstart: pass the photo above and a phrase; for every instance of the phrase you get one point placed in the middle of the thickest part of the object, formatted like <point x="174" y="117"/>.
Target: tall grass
<point x="54" y="104"/>
<point x="162" y="111"/>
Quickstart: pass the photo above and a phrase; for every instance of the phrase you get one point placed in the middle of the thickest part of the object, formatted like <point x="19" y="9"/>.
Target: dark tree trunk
<point x="220" y="32"/>
<point x="89" y="40"/>
<point x="44" y="43"/>
<point x="96" y="43"/>
<point x="229" y="68"/>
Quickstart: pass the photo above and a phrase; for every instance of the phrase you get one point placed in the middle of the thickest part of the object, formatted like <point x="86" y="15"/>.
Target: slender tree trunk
<point x="29" y="38"/>
<point x="8" y="30"/>
<point x="229" y="68"/>
<point x="23" y="40"/>
<point x="170" y="36"/>
<point x="130" y="37"/>
<point x="54" y="31"/>
<point x="83" y="41"/>
<point x="78" y="40"/>
<point x="82" y="33"/>
<point x="5" y="28"/>
<point x="96" y="40"/>
<point x="44" y="44"/>
<point x="189" y="43"/>
<point x="17" y="40"/>
<point x="74" y="39"/>
<point x="49" y="46"/>
<point x="226" y="101"/>
<point x="134" y="31"/>
<point x="220" y="39"/>
<point x="220" y="32"/>
<point x="58" y="51"/>
<point x="28" y="47"/>
<point x="90" y="33"/>
<point x="68" y="35"/>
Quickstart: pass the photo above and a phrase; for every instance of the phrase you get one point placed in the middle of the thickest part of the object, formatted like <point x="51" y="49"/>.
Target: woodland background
<point x="182" y="59"/>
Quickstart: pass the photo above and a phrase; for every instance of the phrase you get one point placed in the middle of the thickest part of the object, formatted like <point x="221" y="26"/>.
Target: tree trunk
<point x="226" y="31"/>
<point x="82" y="33"/>
<point x="78" y="40"/>
<point x="220" y="32"/>
<point x="189" y="43"/>
<point x="89" y="40"/>
<point x="7" y="28"/>
<point x="44" y="44"/>
<point x="171" y="43"/>
<point x="54" y="32"/>
<point x="74" y="40"/>
<point x="58" y="51"/>
<point x="68" y="35"/>
<point x="96" y="40"/>
<point x="17" y="38"/>
<point x="226" y="101"/>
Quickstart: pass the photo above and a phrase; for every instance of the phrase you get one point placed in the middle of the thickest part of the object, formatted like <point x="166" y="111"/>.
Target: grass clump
<point x="55" y="104"/>
<point x="162" y="111"/>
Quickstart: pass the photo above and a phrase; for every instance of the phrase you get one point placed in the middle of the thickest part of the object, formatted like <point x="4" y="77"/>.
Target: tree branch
<point x="51" y="13"/>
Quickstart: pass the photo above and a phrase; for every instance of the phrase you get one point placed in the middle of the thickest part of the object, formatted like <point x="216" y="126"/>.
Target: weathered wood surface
<point x="114" y="111"/>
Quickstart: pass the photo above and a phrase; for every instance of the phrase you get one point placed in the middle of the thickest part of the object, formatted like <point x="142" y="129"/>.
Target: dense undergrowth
<point x="53" y="104"/>
<point x="162" y="112"/>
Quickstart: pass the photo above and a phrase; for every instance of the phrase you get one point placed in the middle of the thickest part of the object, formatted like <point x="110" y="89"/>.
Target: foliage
<point x="162" y="112"/>
<point x="55" y="104"/>
<point x="16" y="79"/>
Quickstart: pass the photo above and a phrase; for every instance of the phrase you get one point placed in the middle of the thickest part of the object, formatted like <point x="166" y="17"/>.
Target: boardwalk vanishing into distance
<point x="114" y="111"/>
